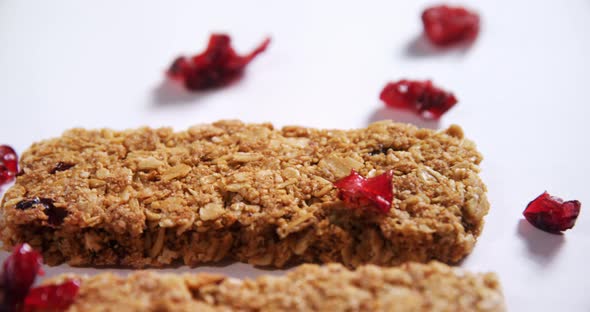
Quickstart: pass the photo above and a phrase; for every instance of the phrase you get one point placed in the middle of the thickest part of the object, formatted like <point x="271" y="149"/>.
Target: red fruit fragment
<point x="8" y="164"/>
<point x="217" y="66"/>
<point x="358" y="191"/>
<point x="446" y="25"/>
<point x="552" y="214"/>
<point x="56" y="215"/>
<point x="422" y="97"/>
<point x="19" y="272"/>
<point x="52" y="297"/>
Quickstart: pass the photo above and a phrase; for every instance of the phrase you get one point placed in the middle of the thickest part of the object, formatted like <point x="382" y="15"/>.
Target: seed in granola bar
<point x="422" y="97"/>
<point x="217" y="66"/>
<point x="552" y="214"/>
<point x="61" y="166"/>
<point x="18" y="275"/>
<point x="8" y="164"/>
<point x="446" y="25"/>
<point x="358" y="191"/>
<point x="52" y="297"/>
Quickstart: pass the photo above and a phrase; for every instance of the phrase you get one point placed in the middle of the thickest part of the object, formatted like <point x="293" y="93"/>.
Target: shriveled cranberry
<point x="56" y="215"/>
<point x="421" y="97"/>
<point x="8" y="164"/>
<point x="5" y="175"/>
<point x="61" y="166"/>
<point x="19" y="272"/>
<point x="552" y="214"/>
<point x="28" y="203"/>
<point x="217" y="66"/>
<point x="52" y="297"/>
<point x="8" y="158"/>
<point x="358" y="191"/>
<point x="446" y="25"/>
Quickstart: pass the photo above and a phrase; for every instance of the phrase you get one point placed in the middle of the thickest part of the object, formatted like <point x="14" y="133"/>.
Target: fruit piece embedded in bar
<point x="410" y="287"/>
<point x="245" y="192"/>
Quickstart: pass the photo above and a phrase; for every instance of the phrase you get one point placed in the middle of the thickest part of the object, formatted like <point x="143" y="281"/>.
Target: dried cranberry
<point x="422" y="97"/>
<point x="52" y="297"/>
<point x="552" y="214"/>
<point x="56" y="215"/>
<point x="358" y="191"/>
<point x="217" y="66"/>
<point x="19" y="272"/>
<point x="8" y="164"/>
<point x="61" y="166"/>
<point x="28" y="203"/>
<point x="446" y="25"/>
<point x="5" y="175"/>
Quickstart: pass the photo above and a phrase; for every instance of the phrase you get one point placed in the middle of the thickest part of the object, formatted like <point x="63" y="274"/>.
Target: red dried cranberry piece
<point x="217" y="66"/>
<point x="552" y="214"/>
<point x="421" y="97"/>
<point x="56" y="215"/>
<point x="358" y="191"/>
<point x="8" y="164"/>
<point x="446" y="25"/>
<point x="52" y="297"/>
<point x="5" y="175"/>
<point x="19" y="272"/>
<point x="28" y="203"/>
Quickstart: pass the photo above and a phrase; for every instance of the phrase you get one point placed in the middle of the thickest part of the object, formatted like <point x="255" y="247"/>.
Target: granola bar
<point x="245" y="192"/>
<point x="410" y="287"/>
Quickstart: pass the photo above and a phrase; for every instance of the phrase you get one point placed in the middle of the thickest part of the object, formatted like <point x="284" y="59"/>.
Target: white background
<point x="523" y="89"/>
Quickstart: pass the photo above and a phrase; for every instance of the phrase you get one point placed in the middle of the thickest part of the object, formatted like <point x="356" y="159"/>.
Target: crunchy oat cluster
<point x="247" y="192"/>
<point x="410" y="287"/>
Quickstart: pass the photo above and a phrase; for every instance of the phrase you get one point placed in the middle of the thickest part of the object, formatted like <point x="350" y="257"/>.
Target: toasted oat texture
<point x="246" y="192"/>
<point x="410" y="287"/>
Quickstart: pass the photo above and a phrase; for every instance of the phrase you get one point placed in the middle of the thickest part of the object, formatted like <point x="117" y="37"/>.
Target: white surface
<point x="523" y="91"/>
